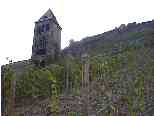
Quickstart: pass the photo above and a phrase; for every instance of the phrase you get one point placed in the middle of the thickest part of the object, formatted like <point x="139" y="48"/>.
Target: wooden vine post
<point x="85" y="82"/>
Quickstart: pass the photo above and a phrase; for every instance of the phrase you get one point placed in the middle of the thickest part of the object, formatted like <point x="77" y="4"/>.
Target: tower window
<point x="42" y="43"/>
<point x="39" y="30"/>
<point x="42" y="28"/>
<point x="41" y="46"/>
<point x="47" y="27"/>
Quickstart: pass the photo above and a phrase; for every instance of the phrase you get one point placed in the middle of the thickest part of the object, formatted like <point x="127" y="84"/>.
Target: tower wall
<point x="47" y="38"/>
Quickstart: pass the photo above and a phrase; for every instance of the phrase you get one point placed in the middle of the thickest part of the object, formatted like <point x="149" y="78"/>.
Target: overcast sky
<point x="78" y="18"/>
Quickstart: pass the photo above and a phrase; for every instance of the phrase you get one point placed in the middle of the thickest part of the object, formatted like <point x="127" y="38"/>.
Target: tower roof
<point x="49" y="16"/>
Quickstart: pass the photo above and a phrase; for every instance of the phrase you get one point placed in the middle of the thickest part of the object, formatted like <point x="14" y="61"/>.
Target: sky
<point x="78" y="19"/>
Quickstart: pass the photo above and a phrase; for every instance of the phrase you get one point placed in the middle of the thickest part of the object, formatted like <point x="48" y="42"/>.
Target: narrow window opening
<point x="47" y="27"/>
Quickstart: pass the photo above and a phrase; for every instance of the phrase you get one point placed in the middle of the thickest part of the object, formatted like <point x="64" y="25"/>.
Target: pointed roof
<point x="49" y="16"/>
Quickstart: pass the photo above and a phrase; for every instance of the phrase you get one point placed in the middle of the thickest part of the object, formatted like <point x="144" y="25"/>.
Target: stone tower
<point x="47" y="39"/>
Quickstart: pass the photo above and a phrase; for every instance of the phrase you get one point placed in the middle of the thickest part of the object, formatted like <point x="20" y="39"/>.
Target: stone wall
<point x="37" y="107"/>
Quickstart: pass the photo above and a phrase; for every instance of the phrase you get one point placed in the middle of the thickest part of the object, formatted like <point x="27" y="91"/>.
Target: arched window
<point x="47" y="27"/>
<point x="41" y="46"/>
<point x="42" y="43"/>
<point x="43" y="28"/>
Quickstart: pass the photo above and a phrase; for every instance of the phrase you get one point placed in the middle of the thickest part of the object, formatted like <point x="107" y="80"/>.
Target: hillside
<point x="112" y="41"/>
<point x="104" y="75"/>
